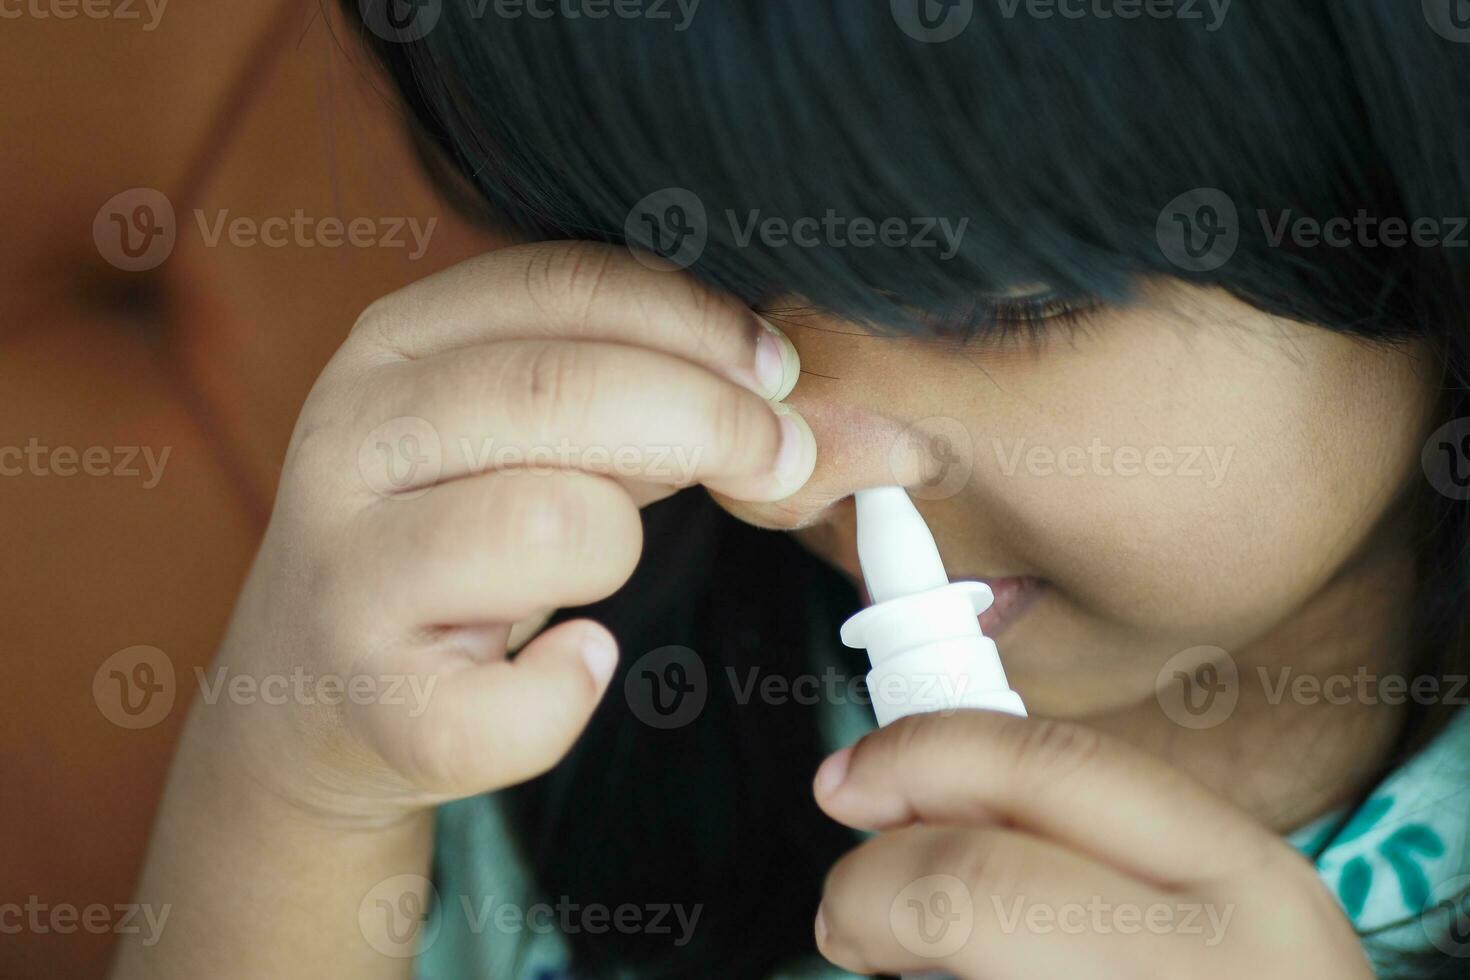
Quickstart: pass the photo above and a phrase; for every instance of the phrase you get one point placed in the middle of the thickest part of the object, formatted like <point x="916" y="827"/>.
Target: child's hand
<point x="1024" y="848"/>
<point x="474" y="456"/>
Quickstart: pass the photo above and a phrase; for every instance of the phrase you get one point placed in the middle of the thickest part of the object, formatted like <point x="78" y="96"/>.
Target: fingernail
<point x="797" y="456"/>
<point x="777" y="364"/>
<point x="832" y="771"/>
<point x="600" y="654"/>
<point x="821" y="926"/>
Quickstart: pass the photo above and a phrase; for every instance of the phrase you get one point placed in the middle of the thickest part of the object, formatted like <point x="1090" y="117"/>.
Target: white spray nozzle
<point x="922" y="632"/>
<point x="897" y="553"/>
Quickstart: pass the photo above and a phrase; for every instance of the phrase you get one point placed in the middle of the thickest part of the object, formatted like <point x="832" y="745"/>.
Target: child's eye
<point x="1014" y="317"/>
<point x="1049" y="306"/>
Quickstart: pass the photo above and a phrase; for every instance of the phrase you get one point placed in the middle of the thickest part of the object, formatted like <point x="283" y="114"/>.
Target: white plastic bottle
<point x="922" y="632"/>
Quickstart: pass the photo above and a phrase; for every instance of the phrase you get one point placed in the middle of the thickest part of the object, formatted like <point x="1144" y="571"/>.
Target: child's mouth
<point x="1013" y="596"/>
<point x="835" y="540"/>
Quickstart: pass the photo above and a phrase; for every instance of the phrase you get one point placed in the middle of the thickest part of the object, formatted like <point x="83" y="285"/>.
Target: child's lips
<point x="1013" y="596"/>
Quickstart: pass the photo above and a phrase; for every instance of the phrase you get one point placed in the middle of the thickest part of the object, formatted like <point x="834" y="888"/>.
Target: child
<point x="1156" y="310"/>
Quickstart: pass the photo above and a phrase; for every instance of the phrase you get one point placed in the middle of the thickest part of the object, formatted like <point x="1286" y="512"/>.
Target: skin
<point x="1293" y="550"/>
<point x="280" y="818"/>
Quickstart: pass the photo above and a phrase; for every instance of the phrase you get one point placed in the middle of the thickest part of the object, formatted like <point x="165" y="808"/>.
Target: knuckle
<point x="1049" y="751"/>
<point x="980" y="860"/>
<point x="309" y="452"/>
<point x="318" y="464"/>
<point x="717" y="325"/>
<point x="740" y="429"/>
<point x="377" y="326"/>
<point x="567" y="279"/>
<point x="548" y="381"/>
<point x="916" y="736"/>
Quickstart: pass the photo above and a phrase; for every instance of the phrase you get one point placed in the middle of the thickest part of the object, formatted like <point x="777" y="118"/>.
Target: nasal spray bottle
<point x="922" y="631"/>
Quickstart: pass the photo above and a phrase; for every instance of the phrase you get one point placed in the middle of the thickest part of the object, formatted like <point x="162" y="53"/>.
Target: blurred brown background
<point x="257" y="110"/>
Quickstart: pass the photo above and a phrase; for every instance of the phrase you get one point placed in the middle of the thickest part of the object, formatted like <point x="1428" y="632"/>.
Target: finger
<point x="493" y="549"/>
<point x="1060" y="780"/>
<point x="600" y="407"/>
<point x="579" y="290"/>
<point x="645" y="493"/>
<point x="999" y="904"/>
<point x="493" y="724"/>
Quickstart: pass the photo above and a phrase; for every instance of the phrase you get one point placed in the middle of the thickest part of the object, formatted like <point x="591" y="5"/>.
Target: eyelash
<point x="1019" y="319"/>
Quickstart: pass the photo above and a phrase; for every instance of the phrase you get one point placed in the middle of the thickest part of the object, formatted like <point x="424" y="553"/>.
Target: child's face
<point x="1185" y="472"/>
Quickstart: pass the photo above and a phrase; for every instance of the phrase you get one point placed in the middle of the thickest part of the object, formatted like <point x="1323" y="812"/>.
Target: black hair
<point x="1065" y="143"/>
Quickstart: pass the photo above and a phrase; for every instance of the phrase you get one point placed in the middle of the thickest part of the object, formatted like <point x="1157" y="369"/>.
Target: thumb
<point x="502" y="722"/>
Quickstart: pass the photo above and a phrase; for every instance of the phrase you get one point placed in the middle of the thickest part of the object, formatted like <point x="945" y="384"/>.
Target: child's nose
<point x="857" y="449"/>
